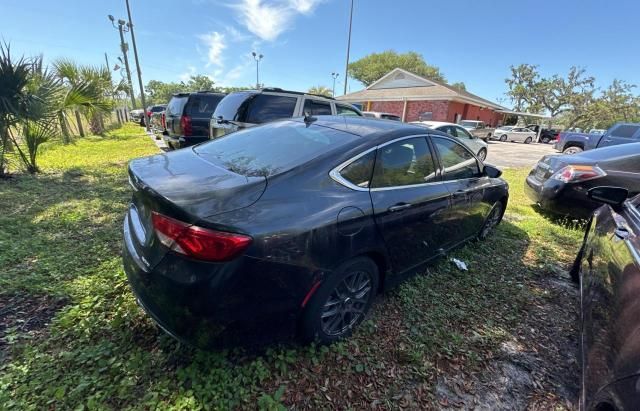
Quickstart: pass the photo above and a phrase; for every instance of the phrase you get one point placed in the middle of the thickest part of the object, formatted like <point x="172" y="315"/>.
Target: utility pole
<point x="124" y="47"/>
<point x="135" y="54"/>
<point x="346" y="68"/>
<point x="106" y="59"/>
<point x="335" y="76"/>
<point x="257" y="57"/>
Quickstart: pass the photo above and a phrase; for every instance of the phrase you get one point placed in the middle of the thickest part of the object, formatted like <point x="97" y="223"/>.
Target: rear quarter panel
<point x="610" y="305"/>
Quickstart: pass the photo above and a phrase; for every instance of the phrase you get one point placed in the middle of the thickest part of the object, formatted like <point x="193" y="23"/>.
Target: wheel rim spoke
<point x="346" y="304"/>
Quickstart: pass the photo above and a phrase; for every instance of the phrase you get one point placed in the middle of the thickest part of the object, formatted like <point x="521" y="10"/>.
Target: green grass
<point x="60" y="241"/>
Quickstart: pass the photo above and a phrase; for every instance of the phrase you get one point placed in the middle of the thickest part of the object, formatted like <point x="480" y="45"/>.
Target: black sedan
<point x="559" y="183"/>
<point x="608" y="268"/>
<point x="294" y="226"/>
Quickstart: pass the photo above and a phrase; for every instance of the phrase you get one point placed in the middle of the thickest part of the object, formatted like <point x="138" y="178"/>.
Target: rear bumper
<point x="560" y="198"/>
<point x="181" y="141"/>
<point x="243" y="302"/>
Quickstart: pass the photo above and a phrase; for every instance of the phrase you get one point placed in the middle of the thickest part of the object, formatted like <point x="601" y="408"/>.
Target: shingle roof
<point x="433" y="90"/>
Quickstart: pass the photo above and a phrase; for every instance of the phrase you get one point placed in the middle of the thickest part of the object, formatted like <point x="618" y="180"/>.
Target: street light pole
<point x="346" y="68"/>
<point x="135" y="54"/>
<point x="124" y="48"/>
<point x="335" y="76"/>
<point x="257" y="57"/>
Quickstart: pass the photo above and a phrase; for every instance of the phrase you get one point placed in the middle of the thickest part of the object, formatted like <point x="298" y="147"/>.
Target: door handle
<point x="622" y="233"/>
<point x="607" y="140"/>
<point x="399" y="207"/>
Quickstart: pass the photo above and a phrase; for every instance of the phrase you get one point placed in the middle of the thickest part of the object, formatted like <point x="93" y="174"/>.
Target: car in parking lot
<point x="293" y="227"/>
<point x="519" y="134"/>
<point x="244" y="109"/>
<point x="158" y="124"/>
<point x="559" y="183"/>
<point x="478" y="146"/>
<point x="608" y="270"/>
<point x="478" y="129"/>
<point x="381" y="116"/>
<point x="187" y="118"/>
<point x="620" y="133"/>
<point x="157" y="108"/>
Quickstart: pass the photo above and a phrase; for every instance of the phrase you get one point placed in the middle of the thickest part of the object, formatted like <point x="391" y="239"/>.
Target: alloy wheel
<point x="346" y="304"/>
<point x="492" y="220"/>
<point x="503" y="137"/>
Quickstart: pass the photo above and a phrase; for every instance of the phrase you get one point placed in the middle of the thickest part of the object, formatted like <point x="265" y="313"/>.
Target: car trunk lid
<point x="185" y="187"/>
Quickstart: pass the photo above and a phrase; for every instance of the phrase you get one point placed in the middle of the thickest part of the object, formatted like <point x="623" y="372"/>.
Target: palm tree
<point x="321" y="91"/>
<point x="88" y="92"/>
<point x="14" y="76"/>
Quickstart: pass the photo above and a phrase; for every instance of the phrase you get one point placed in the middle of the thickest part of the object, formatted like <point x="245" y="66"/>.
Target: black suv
<point x="187" y="118"/>
<point x="243" y="109"/>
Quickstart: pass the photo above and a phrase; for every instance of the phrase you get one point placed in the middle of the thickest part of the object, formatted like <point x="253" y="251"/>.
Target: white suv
<point x="243" y="109"/>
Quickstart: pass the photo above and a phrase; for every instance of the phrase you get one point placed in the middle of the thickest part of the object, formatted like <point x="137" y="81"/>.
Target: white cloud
<point x="191" y="71"/>
<point x="268" y="19"/>
<point x="215" y="43"/>
<point x="304" y="6"/>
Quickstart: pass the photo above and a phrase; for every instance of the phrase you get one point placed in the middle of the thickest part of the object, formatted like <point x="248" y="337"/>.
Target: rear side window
<point x="268" y="107"/>
<point x="202" y="105"/>
<point x="390" y="117"/>
<point x="316" y="108"/>
<point x="346" y="111"/>
<point x="232" y="106"/>
<point x="405" y="162"/>
<point x="457" y="161"/>
<point x="359" y="171"/>
<point x="176" y="105"/>
<point x="273" y="148"/>
<point x="625" y="131"/>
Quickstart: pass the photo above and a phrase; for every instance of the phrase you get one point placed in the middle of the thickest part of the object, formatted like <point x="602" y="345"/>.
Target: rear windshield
<point x="176" y="105"/>
<point x="229" y="107"/>
<point x="157" y="109"/>
<point x="203" y="105"/>
<point x="272" y="148"/>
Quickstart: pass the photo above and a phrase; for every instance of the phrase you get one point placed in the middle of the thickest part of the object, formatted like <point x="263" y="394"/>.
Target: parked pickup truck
<point x="478" y="129"/>
<point x="620" y="133"/>
<point x="546" y="135"/>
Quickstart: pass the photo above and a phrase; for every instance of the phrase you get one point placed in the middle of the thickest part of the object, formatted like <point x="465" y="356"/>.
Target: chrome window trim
<point x="337" y="177"/>
<point x="335" y="172"/>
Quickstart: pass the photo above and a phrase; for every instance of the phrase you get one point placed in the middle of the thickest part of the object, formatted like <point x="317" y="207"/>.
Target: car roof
<point x="381" y="113"/>
<point x="434" y="124"/>
<point x="371" y="130"/>
<point x="610" y="153"/>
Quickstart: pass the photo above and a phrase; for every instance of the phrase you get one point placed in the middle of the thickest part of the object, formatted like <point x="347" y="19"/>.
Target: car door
<point x="467" y="139"/>
<point x="620" y="134"/>
<point x="464" y="179"/>
<point x="409" y="202"/>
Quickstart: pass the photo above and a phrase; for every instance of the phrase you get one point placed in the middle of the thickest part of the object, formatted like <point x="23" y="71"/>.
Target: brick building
<point x="410" y="96"/>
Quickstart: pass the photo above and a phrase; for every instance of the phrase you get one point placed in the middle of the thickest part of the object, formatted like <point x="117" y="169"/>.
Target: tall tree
<point x="523" y="88"/>
<point x="372" y="67"/>
<point x="200" y="82"/>
<point x="321" y="91"/>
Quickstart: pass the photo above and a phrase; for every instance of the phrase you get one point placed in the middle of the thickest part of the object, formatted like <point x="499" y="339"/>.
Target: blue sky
<point x="305" y="40"/>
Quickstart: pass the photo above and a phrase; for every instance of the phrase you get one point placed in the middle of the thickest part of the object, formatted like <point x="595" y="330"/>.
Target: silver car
<point x="521" y="134"/>
<point x="475" y="144"/>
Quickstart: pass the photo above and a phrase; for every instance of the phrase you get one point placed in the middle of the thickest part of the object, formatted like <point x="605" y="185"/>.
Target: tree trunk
<point x="4" y="142"/>
<point x="63" y="126"/>
<point x="79" y="122"/>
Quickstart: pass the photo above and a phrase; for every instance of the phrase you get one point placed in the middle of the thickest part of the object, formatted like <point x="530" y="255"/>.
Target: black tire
<point x="482" y="154"/>
<point x="546" y="140"/>
<point x="528" y="140"/>
<point x="335" y="292"/>
<point x="503" y="138"/>
<point x="493" y="219"/>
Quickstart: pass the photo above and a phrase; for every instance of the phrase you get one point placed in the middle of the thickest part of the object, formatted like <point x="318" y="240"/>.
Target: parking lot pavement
<point x="512" y="155"/>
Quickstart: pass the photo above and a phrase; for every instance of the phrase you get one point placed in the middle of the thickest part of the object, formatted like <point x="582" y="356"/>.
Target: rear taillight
<point x="577" y="173"/>
<point x="149" y="113"/>
<point x="185" y="124"/>
<point x="197" y="242"/>
<point x="163" y="120"/>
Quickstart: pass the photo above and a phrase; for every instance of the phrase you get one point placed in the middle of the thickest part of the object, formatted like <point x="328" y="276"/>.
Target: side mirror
<point x="491" y="171"/>
<point x="613" y="196"/>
